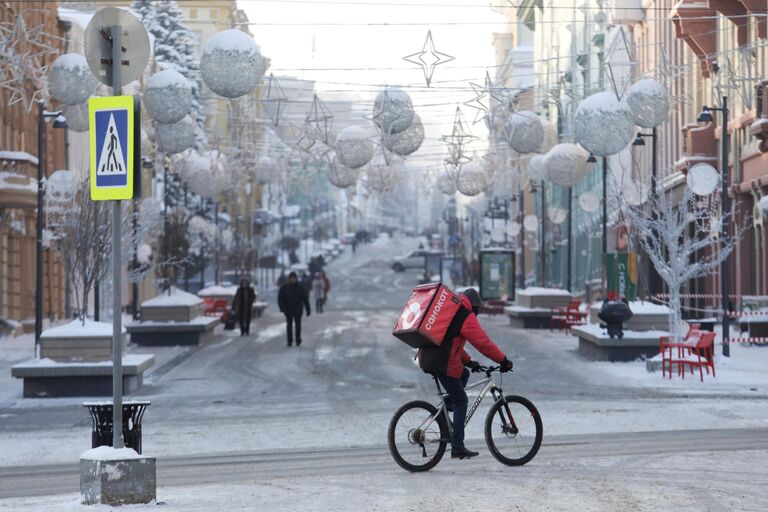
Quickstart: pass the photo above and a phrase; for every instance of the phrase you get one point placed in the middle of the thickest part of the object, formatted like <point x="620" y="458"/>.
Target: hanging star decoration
<point x="458" y="140"/>
<point x="22" y="52"/>
<point x="320" y="120"/>
<point x="428" y="58"/>
<point x="488" y="100"/>
<point x="667" y="73"/>
<point x="273" y="100"/>
<point x="386" y="116"/>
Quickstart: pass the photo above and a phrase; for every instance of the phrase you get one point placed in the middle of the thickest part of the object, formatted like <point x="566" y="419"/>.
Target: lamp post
<point x="706" y="117"/>
<point x="60" y="122"/>
<point x="655" y="280"/>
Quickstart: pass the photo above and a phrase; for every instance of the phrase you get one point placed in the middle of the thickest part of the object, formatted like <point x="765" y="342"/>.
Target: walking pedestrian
<point x="245" y="296"/>
<point x="354" y="245"/>
<point x="292" y="300"/>
<point x="318" y="288"/>
<point x="326" y="286"/>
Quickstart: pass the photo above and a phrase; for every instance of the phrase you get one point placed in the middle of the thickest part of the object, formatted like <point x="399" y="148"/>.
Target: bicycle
<point x="420" y="431"/>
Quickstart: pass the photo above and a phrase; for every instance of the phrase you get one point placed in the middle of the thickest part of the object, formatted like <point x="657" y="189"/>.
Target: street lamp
<point x="655" y="280"/>
<point x="706" y="117"/>
<point x="59" y="122"/>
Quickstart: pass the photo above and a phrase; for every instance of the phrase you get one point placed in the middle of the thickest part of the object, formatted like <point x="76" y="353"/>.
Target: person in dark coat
<point x="245" y="296"/>
<point x="292" y="299"/>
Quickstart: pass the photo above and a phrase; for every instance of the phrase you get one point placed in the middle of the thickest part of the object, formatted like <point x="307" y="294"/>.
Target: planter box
<point x="81" y="348"/>
<point x="533" y="297"/>
<point x="595" y="344"/>
<point x="196" y="332"/>
<point x="46" y="378"/>
<point x="529" y="318"/>
<point x="645" y="317"/>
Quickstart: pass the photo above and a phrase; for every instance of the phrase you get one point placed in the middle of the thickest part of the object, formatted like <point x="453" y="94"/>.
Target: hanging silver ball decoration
<point x="531" y="223"/>
<point x="589" y="201"/>
<point x="77" y="117"/>
<point x="634" y="193"/>
<point x="525" y="133"/>
<point x="353" y="147"/>
<point x="168" y="97"/>
<point x="556" y="214"/>
<point x="537" y="168"/>
<point x="446" y="184"/>
<point x="514" y="228"/>
<point x="72" y="81"/>
<point x="231" y="65"/>
<point x="175" y="138"/>
<point x="267" y="170"/>
<point x="566" y="164"/>
<point x="340" y="175"/>
<point x="393" y="110"/>
<point x="603" y="125"/>
<point x="472" y="179"/>
<point x="382" y="178"/>
<point x="407" y="141"/>
<point x="649" y="101"/>
<point x="550" y="136"/>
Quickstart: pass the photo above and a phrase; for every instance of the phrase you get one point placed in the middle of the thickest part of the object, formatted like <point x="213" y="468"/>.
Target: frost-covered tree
<point x="175" y="47"/>
<point x="681" y="242"/>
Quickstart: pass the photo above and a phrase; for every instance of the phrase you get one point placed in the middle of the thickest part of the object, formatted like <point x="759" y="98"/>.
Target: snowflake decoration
<point x="273" y="100"/>
<point x="486" y="94"/>
<point x="457" y="141"/>
<point x="428" y="58"/>
<point x="22" y="51"/>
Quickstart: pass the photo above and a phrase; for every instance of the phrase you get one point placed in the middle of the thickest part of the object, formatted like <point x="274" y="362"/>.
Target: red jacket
<point x="474" y="333"/>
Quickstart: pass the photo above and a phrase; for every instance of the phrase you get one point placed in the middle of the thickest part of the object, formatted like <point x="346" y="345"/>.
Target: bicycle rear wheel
<point x="415" y="442"/>
<point x="513" y="430"/>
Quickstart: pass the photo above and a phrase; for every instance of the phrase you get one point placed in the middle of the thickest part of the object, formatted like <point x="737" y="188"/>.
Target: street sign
<point x="134" y="45"/>
<point x="111" y="121"/>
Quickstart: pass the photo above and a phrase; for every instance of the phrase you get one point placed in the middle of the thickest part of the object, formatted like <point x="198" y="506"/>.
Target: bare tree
<point x="682" y="242"/>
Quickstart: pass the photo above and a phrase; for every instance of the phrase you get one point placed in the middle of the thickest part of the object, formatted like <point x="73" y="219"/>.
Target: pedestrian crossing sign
<point x="111" y="124"/>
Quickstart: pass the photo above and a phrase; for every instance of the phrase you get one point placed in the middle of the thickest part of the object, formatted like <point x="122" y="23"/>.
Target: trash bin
<point x="101" y="423"/>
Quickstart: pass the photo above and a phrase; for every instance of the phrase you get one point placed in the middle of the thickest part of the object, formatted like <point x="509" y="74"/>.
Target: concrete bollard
<point x="117" y="477"/>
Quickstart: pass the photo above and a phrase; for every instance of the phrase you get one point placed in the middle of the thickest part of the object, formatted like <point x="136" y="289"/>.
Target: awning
<point x="696" y="24"/>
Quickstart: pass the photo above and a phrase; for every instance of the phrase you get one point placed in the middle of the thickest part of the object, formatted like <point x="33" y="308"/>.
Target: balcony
<point x="696" y="24"/>
<point x="18" y="188"/>
<point x="699" y="146"/>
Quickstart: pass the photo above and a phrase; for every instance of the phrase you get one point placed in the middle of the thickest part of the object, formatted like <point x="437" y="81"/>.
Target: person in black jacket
<point x="292" y="301"/>
<point x="243" y="305"/>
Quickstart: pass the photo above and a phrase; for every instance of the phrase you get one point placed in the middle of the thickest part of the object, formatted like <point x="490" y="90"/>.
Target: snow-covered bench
<point x="174" y="318"/>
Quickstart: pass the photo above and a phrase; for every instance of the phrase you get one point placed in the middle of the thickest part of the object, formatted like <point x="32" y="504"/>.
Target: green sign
<point x="621" y="270"/>
<point x="497" y="274"/>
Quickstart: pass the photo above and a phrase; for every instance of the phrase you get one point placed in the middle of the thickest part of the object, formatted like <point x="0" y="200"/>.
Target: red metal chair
<point x="558" y="319"/>
<point x="696" y="352"/>
<point x="574" y="316"/>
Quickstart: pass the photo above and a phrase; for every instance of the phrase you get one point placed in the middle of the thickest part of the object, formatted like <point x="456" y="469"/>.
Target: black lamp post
<point x="706" y="117"/>
<point x="655" y="279"/>
<point x="60" y="122"/>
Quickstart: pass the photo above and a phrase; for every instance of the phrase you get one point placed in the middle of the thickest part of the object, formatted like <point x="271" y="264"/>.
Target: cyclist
<point x="450" y="363"/>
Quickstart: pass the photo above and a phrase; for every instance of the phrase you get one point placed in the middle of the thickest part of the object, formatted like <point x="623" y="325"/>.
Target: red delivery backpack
<point x="427" y="315"/>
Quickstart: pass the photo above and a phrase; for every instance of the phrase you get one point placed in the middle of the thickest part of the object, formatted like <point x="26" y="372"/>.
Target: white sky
<point x="461" y="28"/>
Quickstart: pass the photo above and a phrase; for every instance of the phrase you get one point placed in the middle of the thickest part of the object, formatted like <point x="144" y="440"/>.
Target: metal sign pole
<point x="117" y="319"/>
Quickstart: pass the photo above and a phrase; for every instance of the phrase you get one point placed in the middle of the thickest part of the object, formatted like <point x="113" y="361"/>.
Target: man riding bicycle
<point x="450" y="363"/>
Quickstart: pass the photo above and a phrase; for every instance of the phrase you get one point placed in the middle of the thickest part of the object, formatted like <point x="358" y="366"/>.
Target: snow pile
<point x="109" y="453"/>
<point x="641" y="307"/>
<point x="144" y="254"/>
<point x="15" y="181"/>
<point x="175" y="298"/>
<point x="217" y="290"/>
<point x="78" y="329"/>
<point x="596" y="330"/>
<point x="535" y="290"/>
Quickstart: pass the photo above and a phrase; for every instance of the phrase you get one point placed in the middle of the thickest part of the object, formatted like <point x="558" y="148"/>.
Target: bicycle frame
<point x="488" y="385"/>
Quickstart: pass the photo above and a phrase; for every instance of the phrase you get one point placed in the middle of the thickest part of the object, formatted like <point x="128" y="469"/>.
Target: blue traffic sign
<point x="112" y="132"/>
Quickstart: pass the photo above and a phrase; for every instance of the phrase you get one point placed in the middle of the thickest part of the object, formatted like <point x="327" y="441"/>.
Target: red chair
<point x="574" y="316"/>
<point x="558" y="319"/>
<point x="697" y="352"/>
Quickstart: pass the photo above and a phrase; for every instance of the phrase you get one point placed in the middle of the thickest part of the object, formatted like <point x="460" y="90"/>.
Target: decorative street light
<point x="704" y="118"/>
<point x="655" y="279"/>
<point x="59" y="122"/>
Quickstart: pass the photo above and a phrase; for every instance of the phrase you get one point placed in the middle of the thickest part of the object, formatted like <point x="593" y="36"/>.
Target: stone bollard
<point x="110" y="476"/>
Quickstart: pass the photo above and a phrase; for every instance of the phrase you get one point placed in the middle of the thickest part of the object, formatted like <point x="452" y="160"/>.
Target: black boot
<point x="462" y="453"/>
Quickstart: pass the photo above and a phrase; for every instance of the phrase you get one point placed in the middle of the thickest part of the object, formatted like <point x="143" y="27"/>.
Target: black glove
<point x="505" y="365"/>
<point x="474" y="366"/>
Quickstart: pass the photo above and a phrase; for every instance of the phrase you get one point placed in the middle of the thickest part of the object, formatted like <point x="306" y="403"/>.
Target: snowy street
<point x="253" y="423"/>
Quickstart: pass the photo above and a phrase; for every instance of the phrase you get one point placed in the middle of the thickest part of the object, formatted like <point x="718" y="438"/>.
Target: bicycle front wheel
<point x="417" y="436"/>
<point x="513" y="430"/>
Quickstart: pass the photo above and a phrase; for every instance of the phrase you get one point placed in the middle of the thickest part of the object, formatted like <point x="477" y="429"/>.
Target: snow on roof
<point x="76" y="329"/>
<point x="535" y="290"/>
<point x="217" y="290"/>
<point x="18" y="155"/>
<point x="176" y="298"/>
<point x="109" y="453"/>
<point x="79" y="18"/>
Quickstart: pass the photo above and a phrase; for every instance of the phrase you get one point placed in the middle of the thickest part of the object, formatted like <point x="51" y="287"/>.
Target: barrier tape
<point x="709" y="296"/>
<point x="751" y="341"/>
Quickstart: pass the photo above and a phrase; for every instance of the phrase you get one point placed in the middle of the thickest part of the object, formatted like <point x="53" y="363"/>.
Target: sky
<point x="346" y="47"/>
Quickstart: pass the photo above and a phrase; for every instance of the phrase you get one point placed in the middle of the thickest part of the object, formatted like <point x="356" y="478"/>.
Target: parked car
<point x="414" y="259"/>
